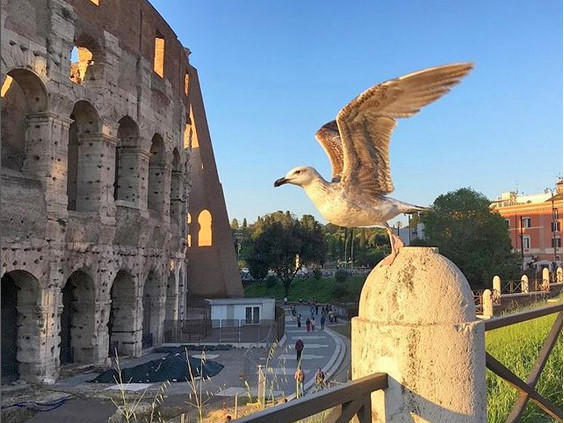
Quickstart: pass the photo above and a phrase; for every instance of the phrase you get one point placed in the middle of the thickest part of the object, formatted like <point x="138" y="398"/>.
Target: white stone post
<point x="487" y="304"/>
<point x="525" y="284"/>
<point x="545" y="279"/>
<point x="417" y="323"/>
<point x="496" y="284"/>
<point x="559" y="275"/>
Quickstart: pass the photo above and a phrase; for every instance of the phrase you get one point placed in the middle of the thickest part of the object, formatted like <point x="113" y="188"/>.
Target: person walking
<point x="322" y="321"/>
<point x="316" y="309"/>
<point x="299" y="376"/>
<point x="299" y="320"/>
<point x="299" y="348"/>
<point x="308" y="325"/>
<point x="312" y="324"/>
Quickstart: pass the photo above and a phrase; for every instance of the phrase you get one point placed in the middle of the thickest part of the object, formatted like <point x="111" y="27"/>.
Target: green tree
<point x="284" y="244"/>
<point x="234" y="224"/>
<point x="467" y="232"/>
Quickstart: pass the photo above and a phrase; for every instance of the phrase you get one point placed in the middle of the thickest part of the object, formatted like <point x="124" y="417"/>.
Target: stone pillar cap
<point x="421" y="287"/>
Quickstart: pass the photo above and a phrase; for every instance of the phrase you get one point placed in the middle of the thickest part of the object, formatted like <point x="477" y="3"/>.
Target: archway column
<point x="133" y="171"/>
<point x="36" y="363"/>
<point x="96" y="161"/>
<point x="101" y="337"/>
<point x="160" y="174"/>
<point x="176" y="198"/>
<point x="46" y="157"/>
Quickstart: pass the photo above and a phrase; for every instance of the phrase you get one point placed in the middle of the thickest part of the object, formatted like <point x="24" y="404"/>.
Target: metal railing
<point x="222" y="331"/>
<point x="527" y="387"/>
<point x="349" y="400"/>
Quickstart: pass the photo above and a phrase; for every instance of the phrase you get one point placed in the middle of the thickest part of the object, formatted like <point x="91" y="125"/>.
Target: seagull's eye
<point x="297" y="172"/>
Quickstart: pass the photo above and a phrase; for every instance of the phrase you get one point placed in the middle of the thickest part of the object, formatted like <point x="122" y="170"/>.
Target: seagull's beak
<point x="280" y="181"/>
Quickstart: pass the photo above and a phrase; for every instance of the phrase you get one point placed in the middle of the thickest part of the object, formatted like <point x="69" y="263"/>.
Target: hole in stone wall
<point x="186" y="82"/>
<point x="205" y="232"/>
<point x="158" y="65"/>
<point x="81" y="59"/>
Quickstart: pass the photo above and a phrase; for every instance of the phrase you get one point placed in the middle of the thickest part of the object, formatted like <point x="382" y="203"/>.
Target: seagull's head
<point x="301" y="176"/>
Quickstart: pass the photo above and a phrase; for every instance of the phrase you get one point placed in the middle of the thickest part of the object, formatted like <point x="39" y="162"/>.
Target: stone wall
<point x="95" y="181"/>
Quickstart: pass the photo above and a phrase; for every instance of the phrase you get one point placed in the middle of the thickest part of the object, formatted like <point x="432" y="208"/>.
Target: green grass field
<point x="517" y="347"/>
<point x="323" y="290"/>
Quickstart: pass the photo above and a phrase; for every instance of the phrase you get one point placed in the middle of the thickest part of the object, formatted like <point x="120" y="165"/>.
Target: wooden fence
<point x="353" y="399"/>
<point x="527" y="387"/>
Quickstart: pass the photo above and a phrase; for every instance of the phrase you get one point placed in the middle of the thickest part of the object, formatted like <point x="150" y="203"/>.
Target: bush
<point x="317" y="274"/>
<point x="341" y="275"/>
<point x="339" y="291"/>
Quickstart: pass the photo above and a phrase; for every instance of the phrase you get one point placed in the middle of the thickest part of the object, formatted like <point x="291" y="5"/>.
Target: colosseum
<point x="112" y="214"/>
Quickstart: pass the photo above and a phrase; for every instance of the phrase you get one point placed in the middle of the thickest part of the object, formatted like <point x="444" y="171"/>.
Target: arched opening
<point x="126" y="163"/>
<point x="85" y="56"/>
<point x="205" y="231"/>
<point x="171" y="298"/>
<point x="77" y="319"/>
<point x="123" y="315"/>
<point x="20" y="334"/>
<point x="153" y="310"/>
<point x="22" y="93"/>
<point x="175" y="187"/>
<point x="80" y="190"/>
<point x="155" y="197"/>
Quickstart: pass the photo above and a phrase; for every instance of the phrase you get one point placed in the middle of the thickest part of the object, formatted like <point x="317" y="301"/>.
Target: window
<point x="526" y="242"/>
<point x="555" y="226"/>
<point x="252" y="315"/>
<point x="507" y="222"/>
<point x="158" y="65"/>
<point x="557" y="242"/>
<point x="186" y="82"/>
<point x="526" y="222"/>
<point x="205" y="232"/>
<point x="96" y="2"/>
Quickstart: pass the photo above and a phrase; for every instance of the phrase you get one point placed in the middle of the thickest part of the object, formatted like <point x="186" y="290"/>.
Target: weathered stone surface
<point x="417" y="323"/>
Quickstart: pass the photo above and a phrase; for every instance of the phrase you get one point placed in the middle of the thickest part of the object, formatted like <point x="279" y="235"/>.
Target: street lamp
<point x="553" y="225"/>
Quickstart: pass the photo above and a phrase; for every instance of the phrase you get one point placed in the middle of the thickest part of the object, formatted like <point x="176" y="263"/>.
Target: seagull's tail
<point x="412" y="209"/>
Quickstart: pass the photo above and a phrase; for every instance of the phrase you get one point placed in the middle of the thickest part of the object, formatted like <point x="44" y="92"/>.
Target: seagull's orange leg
<point x="396" y="244"/>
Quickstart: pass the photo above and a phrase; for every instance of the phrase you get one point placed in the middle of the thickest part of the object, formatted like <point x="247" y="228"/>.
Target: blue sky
<point x="273" y="72"/>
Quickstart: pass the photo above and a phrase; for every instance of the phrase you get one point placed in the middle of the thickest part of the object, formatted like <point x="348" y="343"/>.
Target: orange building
<point x="535" y="225"/>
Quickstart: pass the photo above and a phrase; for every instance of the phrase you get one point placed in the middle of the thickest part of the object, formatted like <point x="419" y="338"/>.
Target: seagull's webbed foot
<point x="396" y="244"/>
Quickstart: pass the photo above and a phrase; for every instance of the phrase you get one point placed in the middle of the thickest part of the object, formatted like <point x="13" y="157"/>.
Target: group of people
<point x="299" y="376"/>
<point x="326" y="312"/>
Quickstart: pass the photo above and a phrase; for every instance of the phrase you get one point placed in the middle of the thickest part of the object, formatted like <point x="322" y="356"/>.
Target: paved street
<point x="322" y="349"/>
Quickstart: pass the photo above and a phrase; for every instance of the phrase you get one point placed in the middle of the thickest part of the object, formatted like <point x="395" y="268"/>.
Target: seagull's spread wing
<point x="329" y="138"/>
<point x="366" y="123"/>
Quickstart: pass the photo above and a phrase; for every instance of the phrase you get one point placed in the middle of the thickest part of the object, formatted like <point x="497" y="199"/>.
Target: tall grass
<point x="517" y="347"/>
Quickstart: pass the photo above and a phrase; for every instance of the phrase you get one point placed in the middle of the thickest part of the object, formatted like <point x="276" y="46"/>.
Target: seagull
<point x="357" y="144"/>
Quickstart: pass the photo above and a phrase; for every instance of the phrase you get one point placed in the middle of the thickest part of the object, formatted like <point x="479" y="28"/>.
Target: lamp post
<point x="554" y="215"/>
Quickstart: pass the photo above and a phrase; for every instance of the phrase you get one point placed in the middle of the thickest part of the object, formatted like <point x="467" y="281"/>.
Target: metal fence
<point x="223" y="331"/>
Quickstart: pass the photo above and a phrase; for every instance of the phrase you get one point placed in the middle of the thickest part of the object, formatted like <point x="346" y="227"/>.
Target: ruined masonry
<point x="112" y="214"/>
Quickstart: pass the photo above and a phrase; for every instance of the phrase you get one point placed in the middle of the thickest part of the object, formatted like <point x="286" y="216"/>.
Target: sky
<point x="272" y="73"/>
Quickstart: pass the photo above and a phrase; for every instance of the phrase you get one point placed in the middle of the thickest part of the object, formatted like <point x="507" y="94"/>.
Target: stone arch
<point x="23" y="93"/>
<point x="77" y="319"/>
<point x="157" y="169"/>
<point x="86" y="124"/>
<point x="20" y="325"/>
<point x="176" y="187"/>
<point x="86" y="59"/>
<point x="126" y="185"/>
<point x="205" y="231"/>
<point x="122" y="322"/>
<point x="153" y="309"/>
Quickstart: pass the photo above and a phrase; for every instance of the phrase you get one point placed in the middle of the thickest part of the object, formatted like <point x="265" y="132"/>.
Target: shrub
<point x="341" y="275"/>
<point x="317" y="274"/>
<point x="270" y="281"/>
<point x="339" y="291"/>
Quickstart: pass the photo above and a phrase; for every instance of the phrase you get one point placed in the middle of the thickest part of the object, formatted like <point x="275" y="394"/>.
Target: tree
<point x="284" y="244"/>
<point x="467" y="232"/>
<point x="234" y="224"/>
<point x="244" y="226"/>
